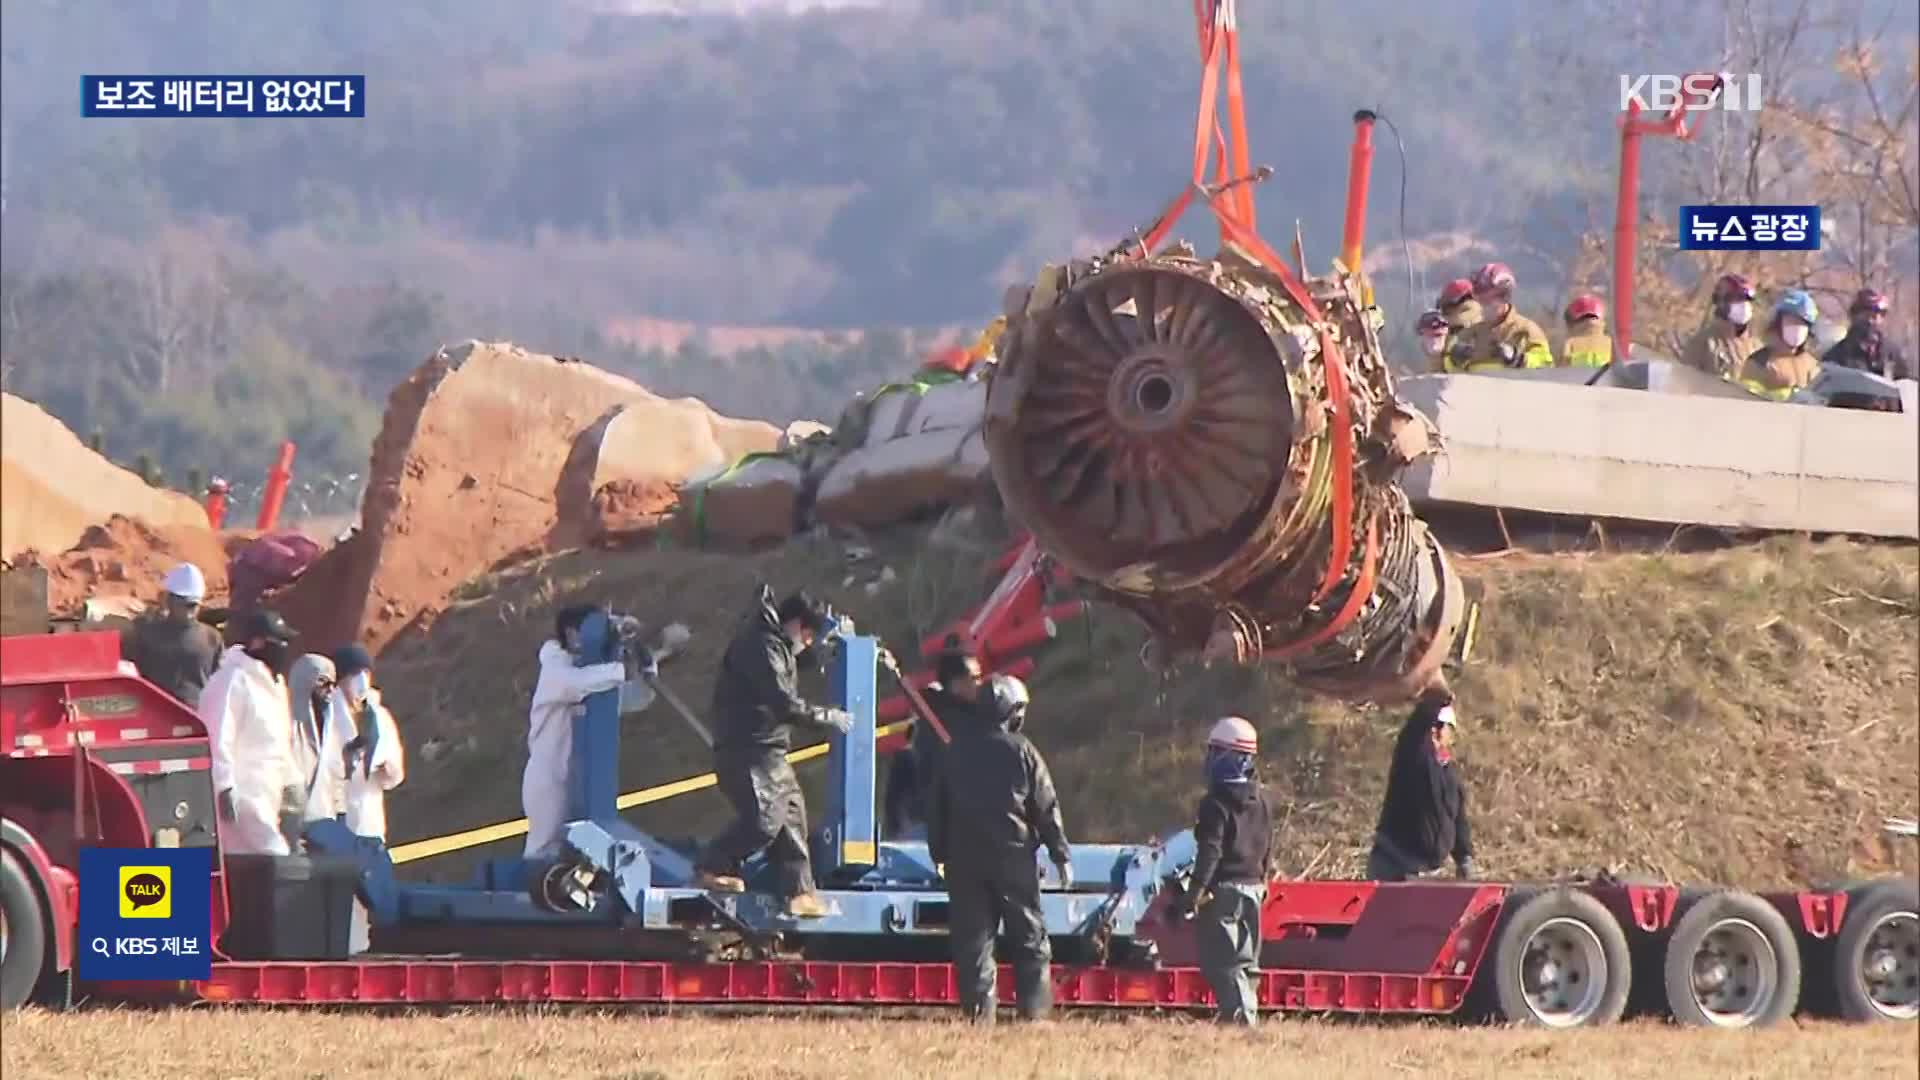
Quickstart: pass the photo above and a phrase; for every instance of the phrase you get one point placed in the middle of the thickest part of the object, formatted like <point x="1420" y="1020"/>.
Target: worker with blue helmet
<point x="1786" y="361"/>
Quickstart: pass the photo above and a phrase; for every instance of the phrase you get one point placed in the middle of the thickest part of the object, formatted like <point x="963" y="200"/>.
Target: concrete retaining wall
<point x="1665" y="457"/>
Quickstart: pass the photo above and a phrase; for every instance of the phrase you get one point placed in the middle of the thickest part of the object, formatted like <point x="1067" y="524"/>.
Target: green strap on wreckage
<point x="918" y="386"/>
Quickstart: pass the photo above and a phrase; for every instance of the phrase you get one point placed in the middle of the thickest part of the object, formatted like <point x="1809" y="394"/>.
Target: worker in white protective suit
<point x="558" y="697"/>
<point x="258" y="789"/>
<point x="318" y="744"/>
<point x="371" y="761"/>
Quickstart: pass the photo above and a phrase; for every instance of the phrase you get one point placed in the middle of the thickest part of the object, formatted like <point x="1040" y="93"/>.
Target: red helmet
<point x="1872" y="300"/>
<point x="1586" y="306"/>
<point x="1732" y="287"/>
<point x="1493" y="279"/>
<point x="1431" y="322"/>
<point x="1457" y="291"/>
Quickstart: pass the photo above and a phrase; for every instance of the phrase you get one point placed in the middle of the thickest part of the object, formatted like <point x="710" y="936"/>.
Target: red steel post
<point x="216" y="503"/>
<point x="1359" y="173"/>
<point x="276" y="491"/>
<point x="1625" y="212"/>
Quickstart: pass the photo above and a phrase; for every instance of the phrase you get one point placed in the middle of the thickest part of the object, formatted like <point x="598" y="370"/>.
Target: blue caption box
<point x="146" y="913"/>
<point x="223" y="95"/>
<point x="1749" y="228"/>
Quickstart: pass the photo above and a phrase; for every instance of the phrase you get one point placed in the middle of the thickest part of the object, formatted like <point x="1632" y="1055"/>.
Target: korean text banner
<point x="224" y="95"/>
<point x="1750" y="228"/>
<point x="146" y="913"/>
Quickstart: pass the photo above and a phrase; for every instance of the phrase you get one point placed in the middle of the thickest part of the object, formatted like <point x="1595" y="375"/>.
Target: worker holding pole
<point x="756" y="705"/>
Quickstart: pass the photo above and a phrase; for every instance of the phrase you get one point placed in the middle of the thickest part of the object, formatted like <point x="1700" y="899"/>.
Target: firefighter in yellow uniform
<point x="1588" y="345"/>
<point x="1786" y="362"/>
<point x="1505" y="339"/>
<point x="1723" y="343"/>
<point x="1461" y="313"/>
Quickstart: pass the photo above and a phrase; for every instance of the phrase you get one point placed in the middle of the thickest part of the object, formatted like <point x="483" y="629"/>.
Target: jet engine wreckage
<point x="1214" y="443"/>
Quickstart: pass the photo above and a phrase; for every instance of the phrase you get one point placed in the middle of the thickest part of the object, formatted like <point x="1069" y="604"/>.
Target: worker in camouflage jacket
<point x="993" y="809"/>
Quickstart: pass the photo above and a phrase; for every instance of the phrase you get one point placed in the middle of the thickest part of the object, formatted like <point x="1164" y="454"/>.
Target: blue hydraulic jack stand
<point x="614" y="875"/>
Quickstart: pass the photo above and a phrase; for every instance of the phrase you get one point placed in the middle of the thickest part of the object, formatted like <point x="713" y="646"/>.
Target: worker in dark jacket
<point x="756" y="703"/>
<point x="954" y="698"/>
<point x="993" y="807"/>
<point x="1866" y="346"/>
<point x="1233" y="837"/>
<point x="174" y="650"/>
<point x="1425" y="816"/>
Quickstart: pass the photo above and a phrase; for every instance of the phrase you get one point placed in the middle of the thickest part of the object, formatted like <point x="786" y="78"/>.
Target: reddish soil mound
<point x="626" y="512"/>
<point x="125" y="557"/>
<point x="481" y="450"/>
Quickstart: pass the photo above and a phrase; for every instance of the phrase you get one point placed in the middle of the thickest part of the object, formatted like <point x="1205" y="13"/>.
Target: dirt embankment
<point x="125" y="558"/>
<point x="1744" y="716"/>
<point x="53" y="487"/>
<point x="488" y="455"/>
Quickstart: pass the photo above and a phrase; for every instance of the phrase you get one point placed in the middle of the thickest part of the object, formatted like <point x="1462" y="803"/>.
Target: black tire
<point x="1885" y="916"/>
<point x="25" y="933"/>
<point x="1585" y="941"/>
<point x="1746" y="955"/>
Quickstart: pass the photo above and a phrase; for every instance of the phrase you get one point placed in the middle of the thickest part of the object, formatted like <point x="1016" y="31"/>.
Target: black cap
<point x="266" y="623"/>
<point x="349" y="660"/>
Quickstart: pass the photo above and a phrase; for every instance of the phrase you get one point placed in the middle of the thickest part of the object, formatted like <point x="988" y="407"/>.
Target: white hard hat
<point x="1234" y="733"/>
<point x="186" y="582"/>
<point x="1445" y="717"/>
<point x="1010" y="697"/>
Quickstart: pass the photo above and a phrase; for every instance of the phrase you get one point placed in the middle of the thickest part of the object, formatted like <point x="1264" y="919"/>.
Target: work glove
<point x="649" y="666"/>
<point x="1508" y="355"/>
<point x="223" y="805"/>
<point x="1461" y="351"/>
<point x="1065" y="870"/>
<point x="838" y="719"/>
<point x="1463" y="868"/>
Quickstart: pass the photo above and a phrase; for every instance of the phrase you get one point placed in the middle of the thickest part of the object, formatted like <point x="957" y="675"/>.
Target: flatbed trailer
<point x="98" y="757"/>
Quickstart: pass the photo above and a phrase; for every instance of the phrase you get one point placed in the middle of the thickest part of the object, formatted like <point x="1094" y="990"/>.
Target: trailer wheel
<point x="23" y="935"/>
<point x="1560" y="960"/>
<point x="1732" y="961"/>
<point x="1876" y="957"/>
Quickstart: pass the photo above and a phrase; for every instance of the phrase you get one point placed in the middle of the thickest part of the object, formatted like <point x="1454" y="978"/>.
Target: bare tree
<point x="178" y="306"/>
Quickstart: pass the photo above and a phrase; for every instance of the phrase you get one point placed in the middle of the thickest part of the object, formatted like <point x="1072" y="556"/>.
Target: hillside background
<point x="773" y="205"/>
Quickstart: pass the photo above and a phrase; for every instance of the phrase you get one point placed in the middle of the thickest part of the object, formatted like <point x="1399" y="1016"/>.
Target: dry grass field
<point x="216" y="1043"/>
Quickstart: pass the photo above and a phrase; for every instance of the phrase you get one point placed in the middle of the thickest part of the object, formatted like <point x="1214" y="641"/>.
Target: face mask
<point x="1739" y="314"/>
<point x="1794" y="335"/>
<point x="1467" y="314"/>
<point x="1433" y="345"/>
<point x="357" y="685"/>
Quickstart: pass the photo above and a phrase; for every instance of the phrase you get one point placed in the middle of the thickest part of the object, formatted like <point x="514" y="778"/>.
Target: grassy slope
<point x="614" y="1046"/>
<point x="1745" y="716"/>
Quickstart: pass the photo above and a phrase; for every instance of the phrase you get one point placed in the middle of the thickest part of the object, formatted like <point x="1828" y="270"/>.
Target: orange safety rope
<point x="1218" y="33"/>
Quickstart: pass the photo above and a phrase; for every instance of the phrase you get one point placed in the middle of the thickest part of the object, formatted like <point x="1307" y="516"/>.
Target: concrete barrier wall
<point x="1647" y="456"/>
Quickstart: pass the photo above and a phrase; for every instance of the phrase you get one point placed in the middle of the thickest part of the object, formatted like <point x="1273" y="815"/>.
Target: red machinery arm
<point x="1627" y="212"/>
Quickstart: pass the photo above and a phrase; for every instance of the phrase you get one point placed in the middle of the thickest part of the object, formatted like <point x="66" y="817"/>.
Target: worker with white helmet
<point x="1424" y="819"/>
<point x="1233" y="859"/>
<point x="993" y="808"/>
<point x="172" y="648"/>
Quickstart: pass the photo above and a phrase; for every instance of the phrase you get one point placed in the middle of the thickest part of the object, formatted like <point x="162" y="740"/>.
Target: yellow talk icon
<point x="146" y="892"/>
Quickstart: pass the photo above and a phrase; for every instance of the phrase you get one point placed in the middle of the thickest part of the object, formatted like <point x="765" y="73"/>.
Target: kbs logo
<point x="1693" y="93"/>
<point x="146" y="892"/>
